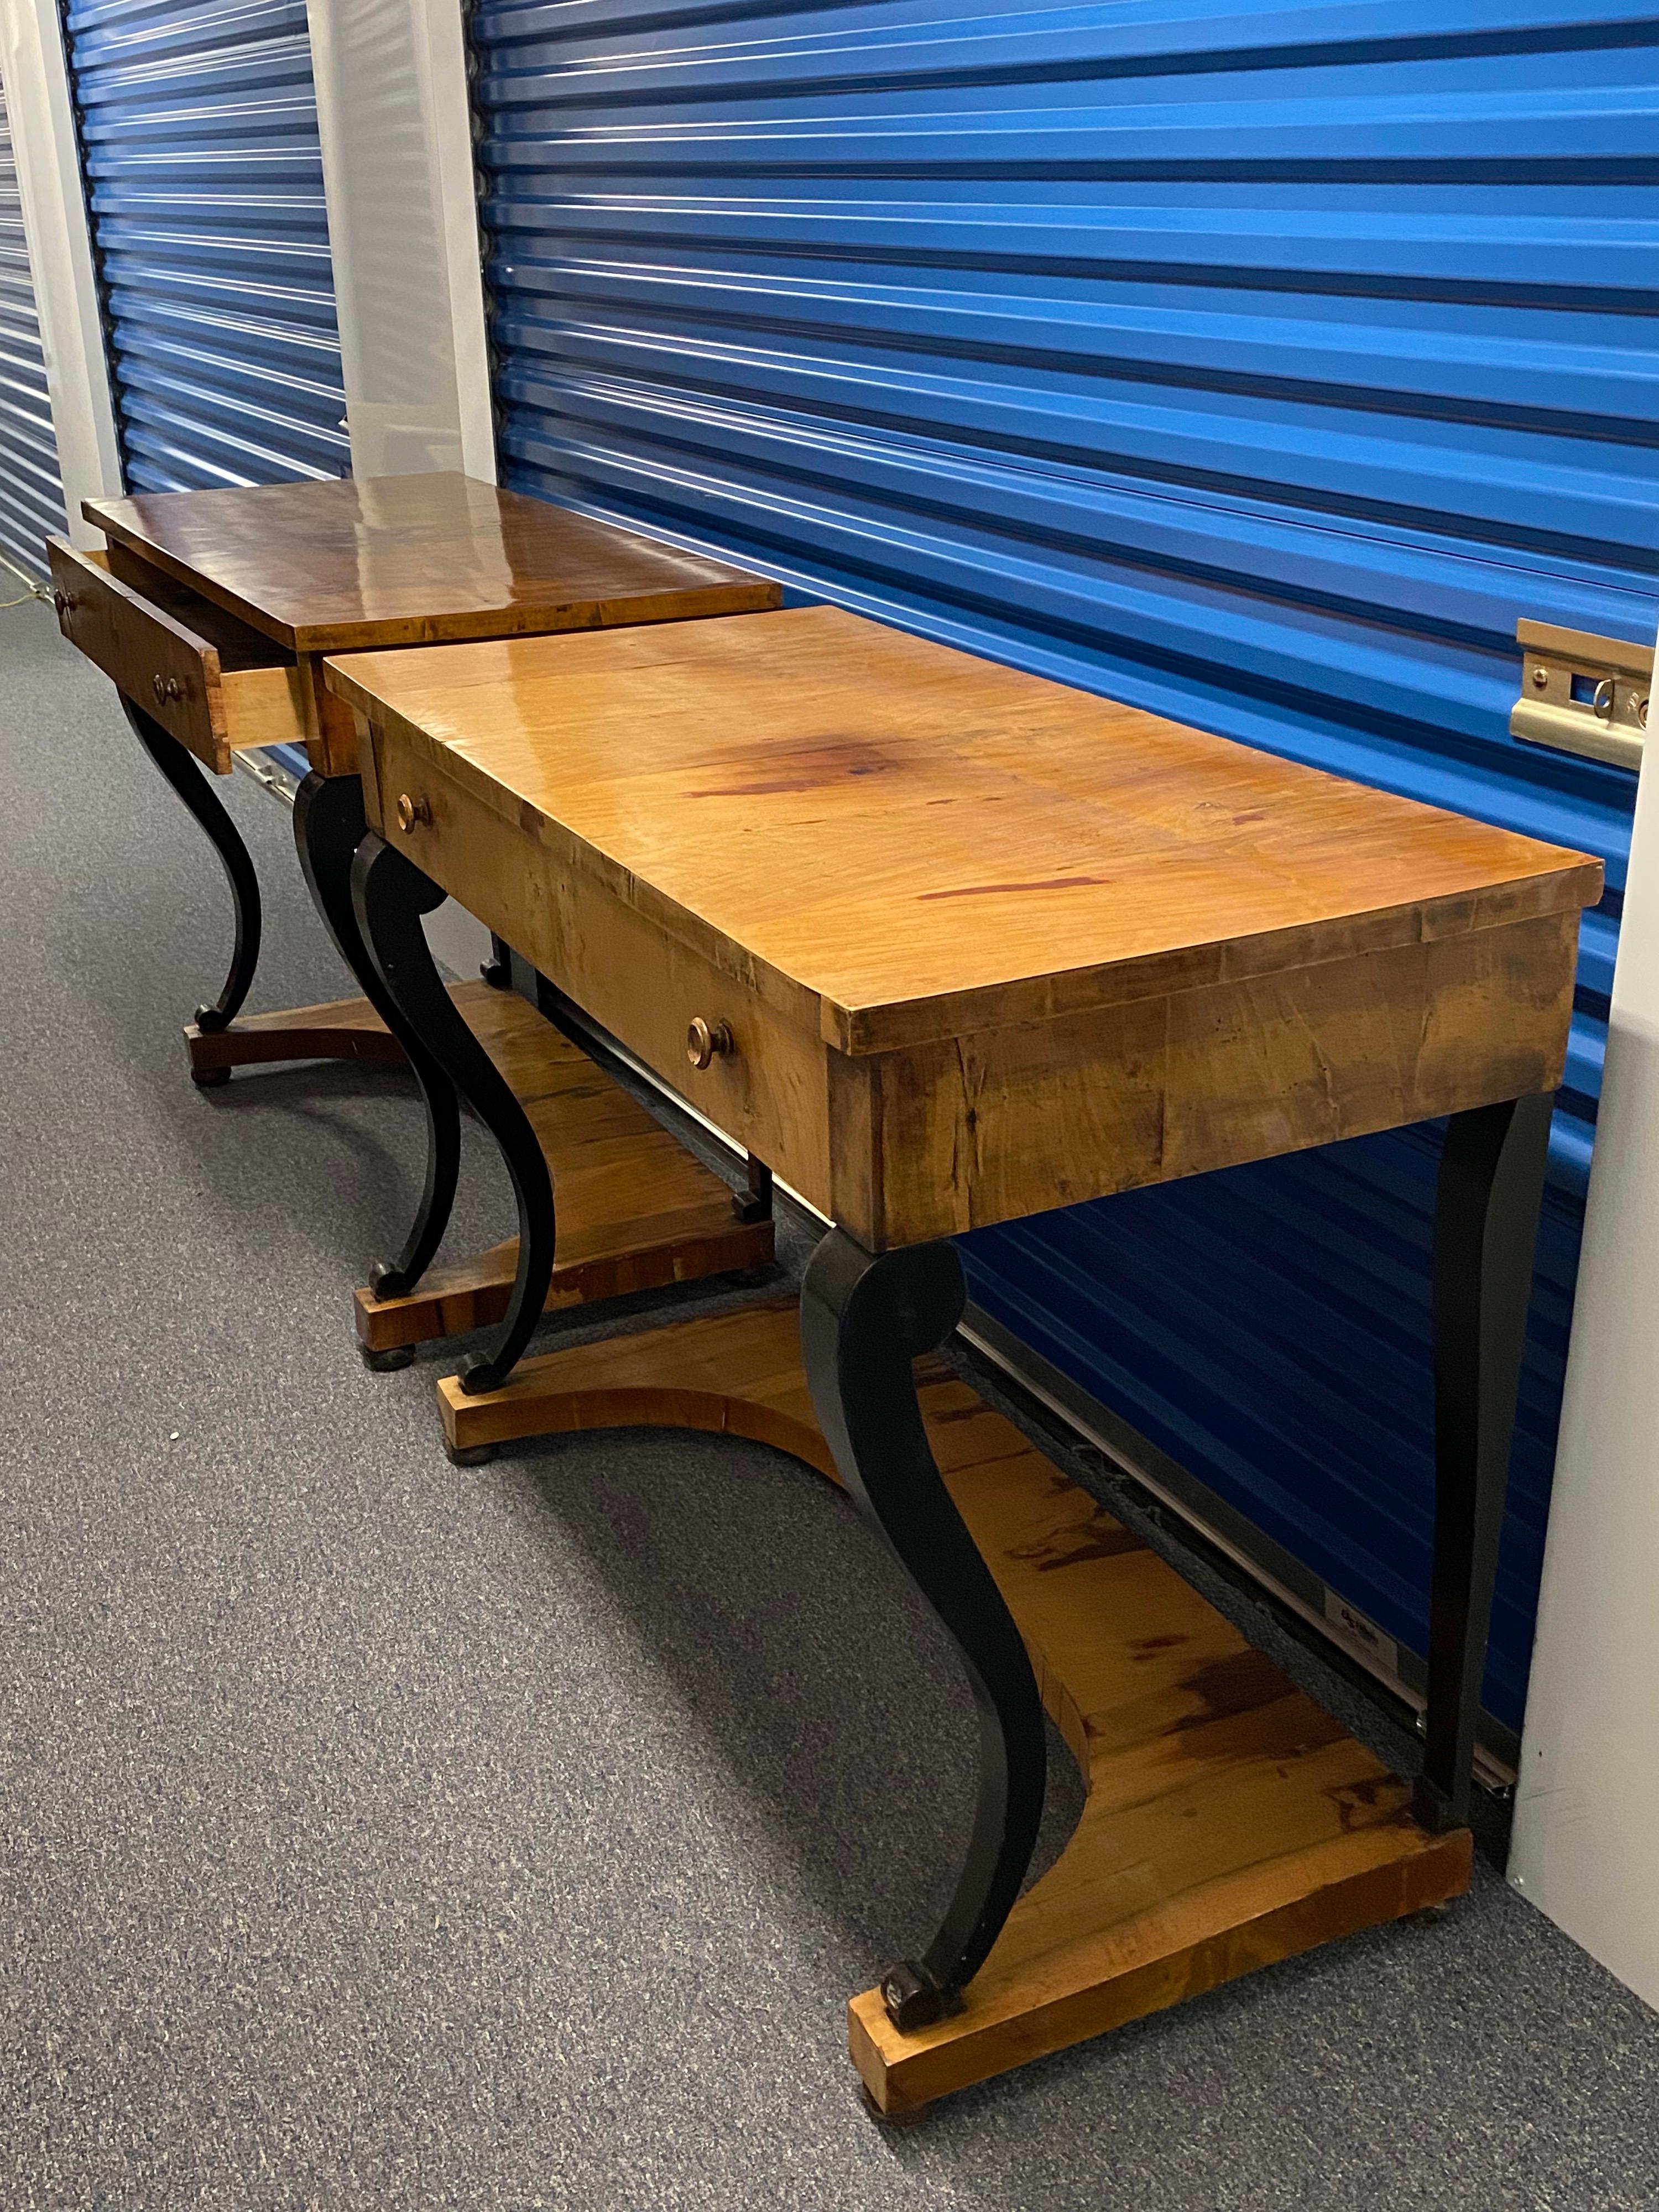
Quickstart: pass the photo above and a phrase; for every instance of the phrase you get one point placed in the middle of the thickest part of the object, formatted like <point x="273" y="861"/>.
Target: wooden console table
<point x="949" y="946"/>
<point x="212" y="612"/>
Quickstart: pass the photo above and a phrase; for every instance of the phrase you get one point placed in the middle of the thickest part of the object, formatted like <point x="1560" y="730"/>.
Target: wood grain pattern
<point x="569" y="824"/>
<point x="341" y="1029"/>
<point x="895" y="843"/>
<point x="210" y="682"/>
<point x="393" y="560"/>
<point x="1230" y="1822"/>
<point x="636" y="1211"/>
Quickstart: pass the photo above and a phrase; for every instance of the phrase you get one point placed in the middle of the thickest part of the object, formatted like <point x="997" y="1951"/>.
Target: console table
<point x="211" y="612"/>
<point x="949" y="944"/>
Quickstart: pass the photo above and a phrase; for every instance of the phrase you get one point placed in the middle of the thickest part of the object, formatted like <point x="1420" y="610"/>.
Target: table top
<point x="901" y="842"/>
<point x="388" y="561"/>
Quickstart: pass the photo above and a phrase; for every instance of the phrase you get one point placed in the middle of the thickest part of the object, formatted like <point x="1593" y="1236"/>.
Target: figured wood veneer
<point x="1230" y="1822"/>
<point x="391" y="560"/>
<point x="985" y="945"/>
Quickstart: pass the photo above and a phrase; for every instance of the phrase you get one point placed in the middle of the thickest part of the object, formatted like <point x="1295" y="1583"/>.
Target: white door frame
<point x="36" y="77"/>
<point x="1586" y="1846"/>
<point x="396" y="133"/>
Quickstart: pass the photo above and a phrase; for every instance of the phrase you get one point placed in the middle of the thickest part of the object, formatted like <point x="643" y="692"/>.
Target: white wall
<point x="1587" y="1812"/>
<point x="403" y="224"/>
<point x="397" y="137"/>
<point x="60" y="256"/>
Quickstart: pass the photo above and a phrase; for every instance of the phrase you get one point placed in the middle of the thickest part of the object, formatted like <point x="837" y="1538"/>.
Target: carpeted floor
<point x="378" y="1835"/>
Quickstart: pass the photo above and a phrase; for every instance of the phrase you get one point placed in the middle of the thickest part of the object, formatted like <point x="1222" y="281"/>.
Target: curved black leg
<point x="390" y="895"/>
<point x="863" y="1320"/>
<point x="329" y="825"/>
<point x="194" y="788"/>
<point x="1485" y="1223"/>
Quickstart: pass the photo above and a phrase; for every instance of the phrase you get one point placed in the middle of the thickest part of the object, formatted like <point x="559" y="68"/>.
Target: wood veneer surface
<point x="389" y="561"/>
<point x="893" y="842"/>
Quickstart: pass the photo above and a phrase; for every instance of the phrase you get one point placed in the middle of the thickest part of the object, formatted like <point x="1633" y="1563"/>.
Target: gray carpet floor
<point x="377" y="1834"/>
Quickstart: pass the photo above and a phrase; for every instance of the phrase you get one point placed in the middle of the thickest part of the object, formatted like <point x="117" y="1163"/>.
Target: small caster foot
<point x="388" y="1362"/>
<point x="470" y="1455"/>
<point x="209" y="1078"/>
<point x="1431" y="1915"/>
<point x="906" y="2117"/>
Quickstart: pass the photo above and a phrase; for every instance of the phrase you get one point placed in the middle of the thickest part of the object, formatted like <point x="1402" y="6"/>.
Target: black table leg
<point x="864" y="1319"/>
<point x="329" y="825"/>
<point x="389" y="896"/>
<point x="1486" y="1224"/>
<point x="195" y="787"/>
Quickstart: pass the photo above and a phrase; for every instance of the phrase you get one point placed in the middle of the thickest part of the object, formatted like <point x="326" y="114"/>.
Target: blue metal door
<point x="1257" y="365"/>
<point x="31" y="490"/>
<point x="205" y="182"/>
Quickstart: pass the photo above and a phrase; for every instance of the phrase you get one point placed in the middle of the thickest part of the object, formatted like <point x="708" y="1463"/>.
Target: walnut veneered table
<point x="211" y="612"/>
<point x="948" y="946"/>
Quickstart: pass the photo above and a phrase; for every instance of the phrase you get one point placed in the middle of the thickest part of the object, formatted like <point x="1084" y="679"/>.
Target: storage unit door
<point x="1255" y="365"/>
<point x="31" y="490"/>
<point x="204" y="180"/>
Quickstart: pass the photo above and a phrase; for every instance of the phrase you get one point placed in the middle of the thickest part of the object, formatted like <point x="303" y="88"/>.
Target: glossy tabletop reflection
<point x="896" y="841"/>
<point x="395" y="561"/>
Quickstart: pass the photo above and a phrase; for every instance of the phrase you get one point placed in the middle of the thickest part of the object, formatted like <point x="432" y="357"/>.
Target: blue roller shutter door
<point x="1258" y="366"/>
<point x="31" y="490"/>
<point x="204" y="180"/>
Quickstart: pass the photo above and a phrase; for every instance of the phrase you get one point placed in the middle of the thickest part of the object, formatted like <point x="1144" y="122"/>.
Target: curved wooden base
<point x="1230" y="1821"/>
<point x="636" y="1210"/>
<point x="344" y="1029"/>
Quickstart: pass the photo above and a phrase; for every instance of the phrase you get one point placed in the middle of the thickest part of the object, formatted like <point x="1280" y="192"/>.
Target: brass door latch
<point x="1582" y="694"/>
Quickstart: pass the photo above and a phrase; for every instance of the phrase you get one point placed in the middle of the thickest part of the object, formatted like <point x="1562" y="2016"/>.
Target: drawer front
<point x="765" y="1082"/>
<point x="169" y="654"/>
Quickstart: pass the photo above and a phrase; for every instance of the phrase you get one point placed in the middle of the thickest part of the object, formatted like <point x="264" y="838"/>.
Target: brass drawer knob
<point x="411" y="811"/>
<point x="167" y="686"/>
<point x="706" y="1041"/>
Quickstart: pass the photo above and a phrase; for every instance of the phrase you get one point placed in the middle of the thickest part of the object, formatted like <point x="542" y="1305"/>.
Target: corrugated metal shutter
<point x="31" y="490"/>
<point x="1258" y="366"/>
<point x="205" y="178"/>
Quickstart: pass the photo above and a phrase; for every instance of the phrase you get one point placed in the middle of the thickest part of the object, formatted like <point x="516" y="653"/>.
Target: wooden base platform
<point x="344" y="1029"/>
<point x="636" y="1210"/>
<point x="1230" y="1822"/>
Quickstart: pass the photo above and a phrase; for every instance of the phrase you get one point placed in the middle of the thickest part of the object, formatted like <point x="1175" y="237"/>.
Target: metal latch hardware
<point x="1582" y="694"/>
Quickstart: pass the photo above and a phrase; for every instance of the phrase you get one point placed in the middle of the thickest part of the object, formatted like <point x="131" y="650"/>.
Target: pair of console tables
<point x="945" y="944"/>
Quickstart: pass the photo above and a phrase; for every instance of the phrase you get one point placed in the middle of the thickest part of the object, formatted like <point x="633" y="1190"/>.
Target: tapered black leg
<point x="329" y="825"/>
<point x="864" y="1319"/>
<point x="1486" y="1224"/>
<point x="389" y="896"/>
<point x="195" y="787"/>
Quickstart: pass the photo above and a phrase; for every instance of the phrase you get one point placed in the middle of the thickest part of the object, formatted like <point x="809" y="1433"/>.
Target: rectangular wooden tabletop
<point x="393" y="560"/>
<point x="896" y="843"/>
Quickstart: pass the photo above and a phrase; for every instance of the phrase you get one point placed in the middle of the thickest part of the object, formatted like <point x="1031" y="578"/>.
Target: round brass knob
<point x="411" y="811"/>
<point x="167" y="686"/>
<point x="706" y="1041"/>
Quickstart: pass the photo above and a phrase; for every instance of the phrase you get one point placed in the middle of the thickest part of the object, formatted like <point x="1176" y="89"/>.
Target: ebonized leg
<point x="195" y="789"/>
<point x="389" y="896"/>
<point x="497" y="970"/>
<point x="329" y="825"/>
<point x="1485" y="1223"/>
<point x="863" y="1320"/>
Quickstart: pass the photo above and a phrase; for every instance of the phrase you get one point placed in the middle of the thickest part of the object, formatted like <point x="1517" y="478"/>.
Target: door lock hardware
<point x="1583" y="694"/>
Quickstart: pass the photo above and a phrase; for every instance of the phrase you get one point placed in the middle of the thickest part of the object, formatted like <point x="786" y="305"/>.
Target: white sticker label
<point x="1366" y="1634"/>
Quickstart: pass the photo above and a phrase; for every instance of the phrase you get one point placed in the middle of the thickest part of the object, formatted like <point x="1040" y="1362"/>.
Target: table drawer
<point x="210" y="680"/>
<point x="768" y="1088"/>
